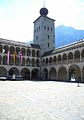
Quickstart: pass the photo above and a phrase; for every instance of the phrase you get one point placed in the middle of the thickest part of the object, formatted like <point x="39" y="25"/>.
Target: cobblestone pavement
<point x="27" y="100"/>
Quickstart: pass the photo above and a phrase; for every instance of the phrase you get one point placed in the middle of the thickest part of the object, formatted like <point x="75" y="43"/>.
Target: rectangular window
<point x="44" y="27"/>
<point x="48" y="44"/>
<point x="47" y="28"/>
<point x="48" y="36"/>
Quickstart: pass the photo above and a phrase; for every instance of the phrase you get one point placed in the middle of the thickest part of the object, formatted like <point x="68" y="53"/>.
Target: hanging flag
<point x="14" y="56"/>
<point x="8" y="57"/>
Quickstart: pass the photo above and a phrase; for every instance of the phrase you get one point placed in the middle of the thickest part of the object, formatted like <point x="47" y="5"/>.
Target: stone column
<point x="57" y="74"/>
<point x="48" y="75"/>
<point x="67" y="75"/>
<point x="81" y="76"/>
<point x="30" y="75"/>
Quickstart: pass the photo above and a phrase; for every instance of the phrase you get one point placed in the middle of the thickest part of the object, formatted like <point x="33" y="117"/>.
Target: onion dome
<point x="43" y="11"/>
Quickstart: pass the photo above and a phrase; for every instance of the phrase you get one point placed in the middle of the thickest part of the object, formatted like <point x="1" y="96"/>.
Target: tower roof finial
<point x="43" y="11"/>
<point x="44" y="4"/>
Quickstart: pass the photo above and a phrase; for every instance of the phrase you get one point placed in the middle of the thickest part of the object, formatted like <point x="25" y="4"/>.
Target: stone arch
<point x="35" y="74"/>
<point x="23" y="51"/>
<point x="64" y="56"/>
<point x="38" y="53"/>
<point x="13" y="70"/>
<point x="47" y="61"/>
<point x="70" y="55"/>
<point x="3" y="72"/>
<point x="33" y="62"/>
<point x="52" y="74"/>
<point x="62" y="73"/>
<point x="54" y="59"/>
<point x="25" y="73"/>
<point x="43" y="61"/>
<point x="45" y="74"/>
<point x="18" y="50"/>
<point x="12" y="49"/>
<point x="33" y="53"/>
<point x="28" y="52"/>
<point x="77" y="56"/>
<point x="6" y="48"/>
<point x="74" y="71"/>
<point x="37" y="63"/>
<point x="50" y="59"/>
<point x="59" y="58"/>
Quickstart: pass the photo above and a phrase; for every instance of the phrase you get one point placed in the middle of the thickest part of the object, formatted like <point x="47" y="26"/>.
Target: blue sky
<point x="17" y="16"/>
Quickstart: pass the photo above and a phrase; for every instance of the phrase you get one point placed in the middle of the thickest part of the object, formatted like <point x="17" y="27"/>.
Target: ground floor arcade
<point x="64" y="72"/>
<point x="24" y="72"/>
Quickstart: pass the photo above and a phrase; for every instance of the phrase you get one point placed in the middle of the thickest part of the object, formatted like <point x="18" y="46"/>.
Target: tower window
<point x="44" y="27"/>
<point x="48" y="44"/>
<point x="36" y="37"/>
<point x="51" y="29"/>
<point x="47" y="28"/>
<point x="48" y="36"/>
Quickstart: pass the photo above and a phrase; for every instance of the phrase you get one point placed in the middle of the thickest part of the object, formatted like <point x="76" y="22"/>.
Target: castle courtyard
<point x="48" y="100"/>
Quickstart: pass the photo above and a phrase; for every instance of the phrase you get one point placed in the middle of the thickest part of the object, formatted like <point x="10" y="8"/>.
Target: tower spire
<point x="43" y="11"/>
<point x="44" y="4"/>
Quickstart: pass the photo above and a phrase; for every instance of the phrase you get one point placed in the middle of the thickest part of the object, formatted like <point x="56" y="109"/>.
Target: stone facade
<point x="40" y="60"/>
<point x="65" y="63"/>
<point x="24" y="59"/>
<point x="44" y="33"/>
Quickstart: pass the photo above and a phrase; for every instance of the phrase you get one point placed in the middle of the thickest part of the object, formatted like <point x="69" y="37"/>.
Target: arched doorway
<point x="62" y="73"/>
<point x="74" y="72"/>
<point x="3" y="72"/>
<point x="13" y="70"/>
<point x="52" y="74"/>
<point x="35" y="74"/>
<point x="25" y="73"/>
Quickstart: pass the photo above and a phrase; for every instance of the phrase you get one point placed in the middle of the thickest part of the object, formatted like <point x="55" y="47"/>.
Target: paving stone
<point x="27" y="100"/>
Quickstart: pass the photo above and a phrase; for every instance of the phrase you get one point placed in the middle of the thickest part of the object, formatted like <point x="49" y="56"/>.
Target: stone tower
<point x="44" y="31"/>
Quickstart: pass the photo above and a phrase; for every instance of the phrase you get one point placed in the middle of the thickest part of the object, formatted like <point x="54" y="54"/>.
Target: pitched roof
<point x="45" y="17"/>
<point x="48" y="53"/>
<point x="35" y="46"/>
